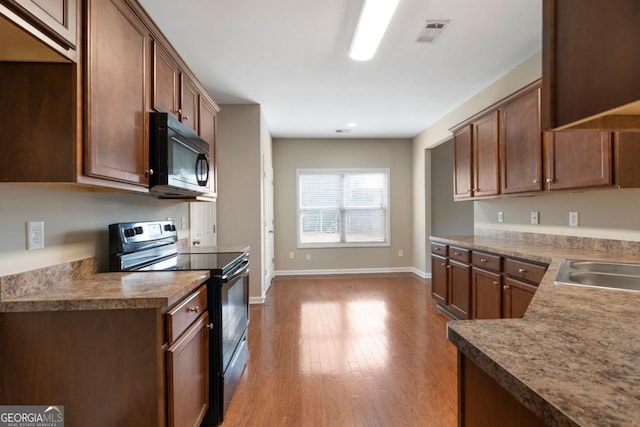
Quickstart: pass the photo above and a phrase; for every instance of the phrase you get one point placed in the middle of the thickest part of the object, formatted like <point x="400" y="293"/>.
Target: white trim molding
<point x="256" y="300"/>
<point x="348" y="271"/>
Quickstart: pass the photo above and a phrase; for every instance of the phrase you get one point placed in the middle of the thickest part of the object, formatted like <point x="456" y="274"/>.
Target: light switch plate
<point x="535" y="217"/>
<point x="500" y="216"/>
<point x="573" y="219"/>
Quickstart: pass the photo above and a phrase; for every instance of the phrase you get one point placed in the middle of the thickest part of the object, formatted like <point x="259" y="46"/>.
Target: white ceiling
<point x="290" y="56"/>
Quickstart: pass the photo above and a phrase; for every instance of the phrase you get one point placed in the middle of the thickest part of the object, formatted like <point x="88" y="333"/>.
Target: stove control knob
<point x="128" y="232"/>
<point x="138" y="230"/>
<point x="167" y="227"/>
<point x="173" y="227"/>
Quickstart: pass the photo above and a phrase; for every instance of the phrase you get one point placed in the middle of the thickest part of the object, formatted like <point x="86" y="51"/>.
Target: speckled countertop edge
<point x="572" y="359"/>
<point x="107" y="291"/>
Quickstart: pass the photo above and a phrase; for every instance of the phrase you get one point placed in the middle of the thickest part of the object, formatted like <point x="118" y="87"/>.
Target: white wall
<point x="289" y="154"/>
<point x="75" y="222"/>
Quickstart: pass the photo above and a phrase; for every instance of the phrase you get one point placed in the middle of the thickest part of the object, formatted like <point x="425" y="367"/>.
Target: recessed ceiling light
<point x="373" y="22"/>
<point x="352" y="124"/>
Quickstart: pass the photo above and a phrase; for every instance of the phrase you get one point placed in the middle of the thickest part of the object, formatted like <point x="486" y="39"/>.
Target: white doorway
<point x="269" y="233"/>
<point x="202" y="218"/>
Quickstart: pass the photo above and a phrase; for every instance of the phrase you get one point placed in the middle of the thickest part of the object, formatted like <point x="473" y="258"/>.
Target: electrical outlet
<point x="35" y="235"/>
<point x="292" y="255"/>
<point x="535" y="217"/>
<point x="400" y="252"/>
<point x="500" y="216"/>
<point x="308" y="257"/>
<point x="573" y="219"/>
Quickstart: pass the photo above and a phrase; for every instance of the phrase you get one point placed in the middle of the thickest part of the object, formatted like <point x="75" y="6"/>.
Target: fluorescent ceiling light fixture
<point x="374" y="20"/>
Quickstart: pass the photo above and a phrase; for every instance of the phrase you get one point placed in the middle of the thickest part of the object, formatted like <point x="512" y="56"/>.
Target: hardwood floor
<point x="356" y="350"/>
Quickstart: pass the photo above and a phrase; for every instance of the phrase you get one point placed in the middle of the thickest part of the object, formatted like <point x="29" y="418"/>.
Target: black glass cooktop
<point x="217" y="263"/>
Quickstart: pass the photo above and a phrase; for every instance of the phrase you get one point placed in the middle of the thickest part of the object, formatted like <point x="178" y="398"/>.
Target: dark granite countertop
<point x="574" y="358"/>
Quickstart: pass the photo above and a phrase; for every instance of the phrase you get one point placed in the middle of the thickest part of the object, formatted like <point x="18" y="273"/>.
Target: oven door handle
<point x="243" y="268"/>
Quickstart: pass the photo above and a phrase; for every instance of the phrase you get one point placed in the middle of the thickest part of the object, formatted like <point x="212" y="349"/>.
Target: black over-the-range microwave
<point x="179" y="159"/>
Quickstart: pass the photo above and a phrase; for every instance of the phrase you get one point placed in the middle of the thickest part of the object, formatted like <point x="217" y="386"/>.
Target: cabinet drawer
<point x="439" y="249"/>
<point x="459" y="254"/>
<point x="180" y="317"/>
<point x="486" y="261"/>
<point x="524" y="270"/>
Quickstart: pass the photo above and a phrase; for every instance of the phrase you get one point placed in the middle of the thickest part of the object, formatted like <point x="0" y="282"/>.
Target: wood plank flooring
<point x="356" y="350"/>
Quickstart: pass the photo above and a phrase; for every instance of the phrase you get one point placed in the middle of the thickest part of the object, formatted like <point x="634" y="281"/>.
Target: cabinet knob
<point x="468" y="190"/>
<point x="442" y="264"/>
<point x="210" y="326"/>
<point x="196" y="309"/>
<point x="148" y="172"/>
<point x="448" y="266"/>
<point x="437" y="249"/>
<point x="549" y="180"/>
<point x="522" y="270"/>
<point x="456" y="253"/>
<point x="483" y="260"/>
<point x="186" y="117"/>
<point x="536" y="181"/>
<point x="496" y="283"/>
<point x="505" y="287"/>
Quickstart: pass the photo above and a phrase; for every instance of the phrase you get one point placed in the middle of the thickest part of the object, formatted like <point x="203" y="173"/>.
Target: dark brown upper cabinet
<point x="521" y="143"/>
<point x="590" y="64"/>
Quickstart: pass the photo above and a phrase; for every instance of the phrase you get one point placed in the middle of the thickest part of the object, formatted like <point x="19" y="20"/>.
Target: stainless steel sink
<point x="599" y="274"/>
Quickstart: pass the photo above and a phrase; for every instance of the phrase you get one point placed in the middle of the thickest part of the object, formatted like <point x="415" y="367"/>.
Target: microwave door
<point x="184" y="159"/>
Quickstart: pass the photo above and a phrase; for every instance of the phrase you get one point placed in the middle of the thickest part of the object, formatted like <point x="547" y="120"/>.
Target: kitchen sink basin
<point x="599" y="274"/>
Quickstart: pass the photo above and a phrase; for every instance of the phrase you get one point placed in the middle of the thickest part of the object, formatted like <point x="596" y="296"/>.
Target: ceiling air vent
<point x="432" y="29"/>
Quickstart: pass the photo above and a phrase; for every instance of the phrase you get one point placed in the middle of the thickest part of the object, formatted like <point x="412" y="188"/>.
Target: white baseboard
<point x="256" y="300"/>
<point x="421" y="273"/>
<point x="348" y="271"/>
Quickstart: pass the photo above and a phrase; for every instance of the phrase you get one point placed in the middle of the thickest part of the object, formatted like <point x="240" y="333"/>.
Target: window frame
<point x="387" y="174"/>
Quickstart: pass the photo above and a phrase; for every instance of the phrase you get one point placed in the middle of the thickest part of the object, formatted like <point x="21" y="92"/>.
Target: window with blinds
<point x="343" y="207"/>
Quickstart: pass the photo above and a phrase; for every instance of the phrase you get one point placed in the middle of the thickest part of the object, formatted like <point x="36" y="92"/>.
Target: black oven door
<point x="235" y="311"/>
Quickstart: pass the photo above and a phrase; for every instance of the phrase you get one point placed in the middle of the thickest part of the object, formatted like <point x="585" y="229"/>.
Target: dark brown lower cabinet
<point x="486" y="294"/>
<point x="459" y="289"/>
<point x="485" y="403"/>
<point x="516" y="297"/>
<point x="439" y="279"/>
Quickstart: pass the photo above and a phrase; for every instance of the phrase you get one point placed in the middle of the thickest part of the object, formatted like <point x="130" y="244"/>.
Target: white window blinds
<point x="343" y="207"/>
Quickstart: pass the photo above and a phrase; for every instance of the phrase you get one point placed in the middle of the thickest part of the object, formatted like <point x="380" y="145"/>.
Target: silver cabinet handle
<point x="505" y="287"/>
<point x="210" y="326"/>
<point x="522" y="270"/>
<point x="496" y="283"/>
<point x="186" y="117"/>
<point x="549" y="180"/>
<point x="483" y="260"/>
<point x="148" y="172"/>
<point x="448" y="266"/>
<point x="442" y="264"/>
<point x="456" y="253"/>
<point x="196" y="309"/>
<point x="536" y="181"/>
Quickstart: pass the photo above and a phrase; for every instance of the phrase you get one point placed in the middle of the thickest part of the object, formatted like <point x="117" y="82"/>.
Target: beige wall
<point x="289" y="154"/>
<point x="611" y="214"/>
<point x="239" y="204"/>
<point x="438" y="132"/>
<point x="75" y="222"/>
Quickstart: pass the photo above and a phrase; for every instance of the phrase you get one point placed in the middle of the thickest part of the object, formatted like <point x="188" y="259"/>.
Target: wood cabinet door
<point x="485" y="294"/>
<point x="516" y="297"/>
<point x="521" y="144"/>
<point x="58" y="19"/>
<point x="577" y="159"/>
<point x="588" y="72"/>
<point x="189" y="102"/>
<point x="117" y="124"/>
<point x="459" y="288"/>
<point x="188" y="375"/>
<point x="439" y="279"/>
<point x="462" y="163"/>
<point x="166" y="81"/>
<point x="486" y="170"/>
